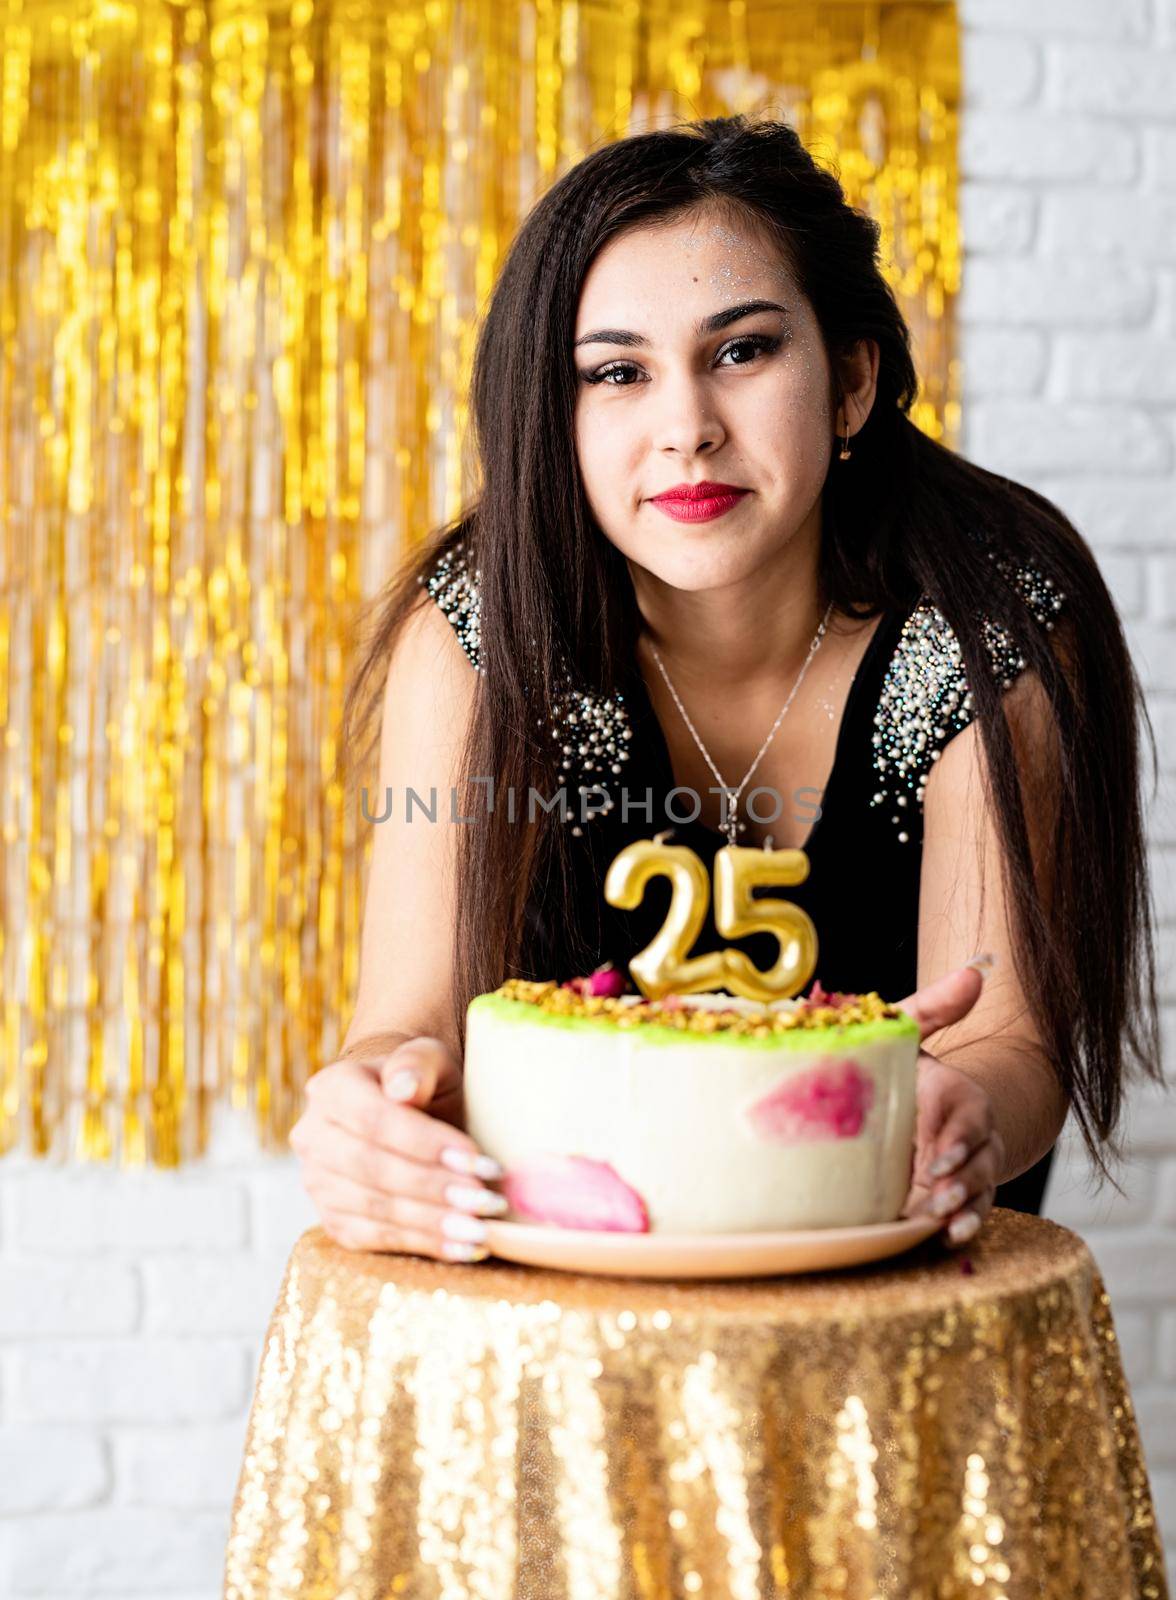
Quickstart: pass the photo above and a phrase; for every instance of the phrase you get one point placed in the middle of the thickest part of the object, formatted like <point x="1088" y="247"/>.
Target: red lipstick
<point x="698" y="502"/>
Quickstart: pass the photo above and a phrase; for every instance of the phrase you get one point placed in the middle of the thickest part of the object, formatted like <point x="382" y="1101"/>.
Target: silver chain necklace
<point x="731" y="825"/>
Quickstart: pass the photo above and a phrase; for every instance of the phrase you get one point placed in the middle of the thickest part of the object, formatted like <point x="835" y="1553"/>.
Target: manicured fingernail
<point x="485" y="1201"/>
<point x="403" y="1084"/>
<point x="948" y="1161"/>
<point x="456" y="1225"/>
<point x="476" y="1165"/>
<point x="951" y="1199"/>
<point x="455" y="1250"/>
<point x="963" y="1228"/>
<point x="983" y="962"/>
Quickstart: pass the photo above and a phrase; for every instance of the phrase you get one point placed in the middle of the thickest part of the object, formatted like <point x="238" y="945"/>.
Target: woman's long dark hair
<point x="905" y="518"/>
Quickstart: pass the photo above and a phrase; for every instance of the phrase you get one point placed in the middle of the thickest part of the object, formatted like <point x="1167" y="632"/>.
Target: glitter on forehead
<point x="726" y="275"/>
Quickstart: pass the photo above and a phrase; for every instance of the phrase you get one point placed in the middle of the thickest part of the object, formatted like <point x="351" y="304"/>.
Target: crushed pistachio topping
<point x="819" y="1010"/>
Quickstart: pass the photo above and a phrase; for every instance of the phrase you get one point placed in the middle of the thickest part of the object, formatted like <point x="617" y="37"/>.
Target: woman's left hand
<point x="959" y="1153"/>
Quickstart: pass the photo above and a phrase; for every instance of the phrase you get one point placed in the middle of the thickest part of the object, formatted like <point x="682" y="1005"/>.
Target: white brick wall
<point x="132" y="1311"/>
<point x="1069" y="348"/>
<point x="132" y="1307"/>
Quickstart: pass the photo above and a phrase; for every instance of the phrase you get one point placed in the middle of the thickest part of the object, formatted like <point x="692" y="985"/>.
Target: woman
<point x="712" y="554"/>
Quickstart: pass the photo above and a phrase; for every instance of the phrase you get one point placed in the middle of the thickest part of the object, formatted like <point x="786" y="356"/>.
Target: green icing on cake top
<point x="858" y="1019"/>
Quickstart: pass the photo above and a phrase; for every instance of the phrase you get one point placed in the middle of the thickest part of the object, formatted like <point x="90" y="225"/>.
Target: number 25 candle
<point x="665" y="966"/>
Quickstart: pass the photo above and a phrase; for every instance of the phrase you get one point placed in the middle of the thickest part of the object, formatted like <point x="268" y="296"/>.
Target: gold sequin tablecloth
<point x="935" y="1427"/>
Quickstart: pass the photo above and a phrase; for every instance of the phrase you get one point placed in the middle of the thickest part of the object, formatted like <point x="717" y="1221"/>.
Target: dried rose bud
<point x="606" y="982"/>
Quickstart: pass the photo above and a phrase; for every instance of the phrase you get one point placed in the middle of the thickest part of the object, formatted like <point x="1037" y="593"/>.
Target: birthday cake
<point x="692" y="1113"/>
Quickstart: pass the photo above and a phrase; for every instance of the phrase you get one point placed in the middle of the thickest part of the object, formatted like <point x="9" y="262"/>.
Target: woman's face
<point x="660" y="403"/>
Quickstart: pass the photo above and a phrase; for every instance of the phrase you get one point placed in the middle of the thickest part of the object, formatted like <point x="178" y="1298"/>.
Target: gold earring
<point x="845" y="451"/>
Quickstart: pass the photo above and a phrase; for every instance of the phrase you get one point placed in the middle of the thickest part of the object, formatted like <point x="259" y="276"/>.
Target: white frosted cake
<point x="701" y="1113"/>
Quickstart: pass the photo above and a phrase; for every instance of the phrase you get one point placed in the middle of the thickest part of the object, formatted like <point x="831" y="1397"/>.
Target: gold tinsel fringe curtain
<point x="243" y="249"/>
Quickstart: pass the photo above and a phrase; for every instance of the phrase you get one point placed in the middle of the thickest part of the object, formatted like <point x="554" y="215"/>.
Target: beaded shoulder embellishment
<point x="456" y="587"/>
<point x="925" y="698"/>
<point x="592" y="731"/>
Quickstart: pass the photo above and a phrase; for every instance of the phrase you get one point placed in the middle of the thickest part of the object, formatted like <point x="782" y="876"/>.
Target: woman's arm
<point x="374" y="1156"/>
<point x="963" y="910"/>
<point x="405" y="975"/>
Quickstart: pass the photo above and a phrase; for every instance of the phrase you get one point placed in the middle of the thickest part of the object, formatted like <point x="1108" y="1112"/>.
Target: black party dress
<point x="908" y="698"/>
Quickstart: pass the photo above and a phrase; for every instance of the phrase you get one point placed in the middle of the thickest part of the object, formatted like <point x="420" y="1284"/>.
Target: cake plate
<point x="705" y="1255"/>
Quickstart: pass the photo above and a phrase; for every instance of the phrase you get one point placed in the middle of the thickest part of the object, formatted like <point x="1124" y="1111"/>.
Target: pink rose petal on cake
<point x="830" y="1101"/>
<point x="575" y="1192"/>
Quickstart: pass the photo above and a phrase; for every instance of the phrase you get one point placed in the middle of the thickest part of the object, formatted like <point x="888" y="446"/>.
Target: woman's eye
<point x="753" y="344"/>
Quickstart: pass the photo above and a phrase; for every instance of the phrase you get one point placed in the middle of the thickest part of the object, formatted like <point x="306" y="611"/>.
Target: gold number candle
<point x="739" y="869"/>
<point x="665" y="966"/>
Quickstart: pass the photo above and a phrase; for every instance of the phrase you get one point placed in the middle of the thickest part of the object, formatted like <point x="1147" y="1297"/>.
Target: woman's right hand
<point x="383" y="1172"/>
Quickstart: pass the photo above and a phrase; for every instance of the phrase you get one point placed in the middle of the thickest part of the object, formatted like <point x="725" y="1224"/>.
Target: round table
<point x="942" y="1425"/>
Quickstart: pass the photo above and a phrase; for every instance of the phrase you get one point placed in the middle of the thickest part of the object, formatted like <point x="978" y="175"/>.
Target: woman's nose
<point x="686" y="418"/>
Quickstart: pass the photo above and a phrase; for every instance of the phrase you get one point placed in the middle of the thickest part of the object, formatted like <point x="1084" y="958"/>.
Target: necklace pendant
<point x="730" y="825"/>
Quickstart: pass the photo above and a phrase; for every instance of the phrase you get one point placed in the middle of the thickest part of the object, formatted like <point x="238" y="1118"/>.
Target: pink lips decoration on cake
<point x="830" y="1101"/>
<point x="575" y="1192"/>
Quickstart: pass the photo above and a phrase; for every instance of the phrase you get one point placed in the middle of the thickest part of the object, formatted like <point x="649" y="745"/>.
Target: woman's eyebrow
<point x="715" y="323"/>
